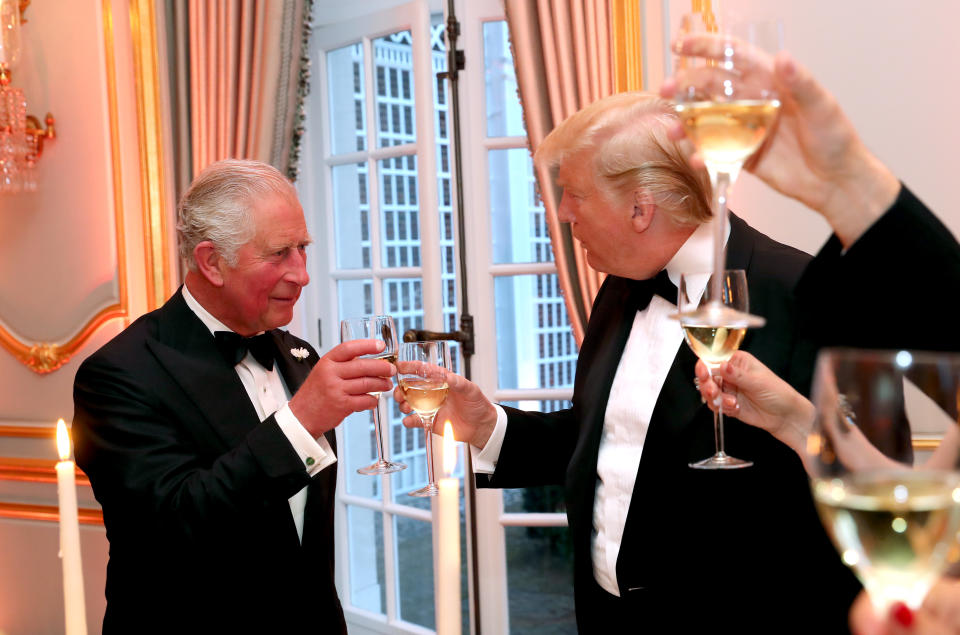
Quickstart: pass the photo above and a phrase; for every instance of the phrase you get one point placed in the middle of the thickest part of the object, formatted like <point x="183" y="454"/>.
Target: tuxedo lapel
<point x="295" y="371"/>
<point x="186" y="349"/>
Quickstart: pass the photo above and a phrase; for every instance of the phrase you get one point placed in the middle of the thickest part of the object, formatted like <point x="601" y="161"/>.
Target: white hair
<point x="216" y="206"/>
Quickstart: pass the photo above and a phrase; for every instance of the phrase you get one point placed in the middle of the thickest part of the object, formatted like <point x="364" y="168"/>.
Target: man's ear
<point x="209" y="261"/>
<point x="644" y="209"/>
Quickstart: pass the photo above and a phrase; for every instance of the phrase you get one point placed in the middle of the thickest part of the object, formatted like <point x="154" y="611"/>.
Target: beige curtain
<point x="238" y="77"/>
<point x="563" y="59"/>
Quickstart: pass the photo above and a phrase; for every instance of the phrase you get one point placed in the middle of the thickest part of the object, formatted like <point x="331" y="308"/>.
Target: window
<point x="379" y="194"/>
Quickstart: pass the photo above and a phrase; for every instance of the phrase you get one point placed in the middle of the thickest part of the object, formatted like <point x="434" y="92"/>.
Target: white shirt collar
<point x="696" y="254"/>
<point x="212" y="323"/>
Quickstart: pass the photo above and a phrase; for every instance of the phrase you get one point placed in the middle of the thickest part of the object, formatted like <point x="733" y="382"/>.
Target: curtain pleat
<point x="240" y="65"/>
<point x="563" y="60"/>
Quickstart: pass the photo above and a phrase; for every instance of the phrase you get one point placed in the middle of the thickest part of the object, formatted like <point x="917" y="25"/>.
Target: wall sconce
<point x="21" y="137"/>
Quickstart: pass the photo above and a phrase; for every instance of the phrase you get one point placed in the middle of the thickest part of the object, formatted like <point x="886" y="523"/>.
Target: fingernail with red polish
<point x="902" y="614"/>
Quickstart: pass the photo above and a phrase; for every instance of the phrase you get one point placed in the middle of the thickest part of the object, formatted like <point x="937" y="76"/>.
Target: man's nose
<point x="298" y="268"/>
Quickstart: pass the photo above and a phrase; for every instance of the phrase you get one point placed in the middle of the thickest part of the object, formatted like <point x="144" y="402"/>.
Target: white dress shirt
<point x="643" y="367"/>
<point x="269" y="395"/>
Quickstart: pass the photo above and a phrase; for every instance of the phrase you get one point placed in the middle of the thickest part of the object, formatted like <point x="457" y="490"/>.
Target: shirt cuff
<point x="316" y="454"/>
<point x="485" y="460"/>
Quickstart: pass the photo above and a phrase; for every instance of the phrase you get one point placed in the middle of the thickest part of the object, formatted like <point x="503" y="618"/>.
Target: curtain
<point x="238" y="76"/>
<point x="563" y="59"/>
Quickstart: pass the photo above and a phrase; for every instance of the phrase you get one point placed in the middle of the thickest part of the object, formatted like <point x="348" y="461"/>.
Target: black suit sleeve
<point x="888" y="288"/>
<point x="535" y="451"/>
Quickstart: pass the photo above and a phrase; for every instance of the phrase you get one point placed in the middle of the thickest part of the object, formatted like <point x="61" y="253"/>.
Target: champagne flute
<point x="727" y="102"/>
<point x="422" y="369"/>
<point x="378" y="327"/>
<point x="714" y="327"/>
<point x="882" y="458"/>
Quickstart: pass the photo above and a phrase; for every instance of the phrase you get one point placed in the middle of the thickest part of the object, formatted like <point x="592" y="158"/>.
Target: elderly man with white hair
<point x="207" y="432"/>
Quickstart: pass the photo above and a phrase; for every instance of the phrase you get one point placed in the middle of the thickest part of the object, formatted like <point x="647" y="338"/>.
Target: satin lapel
<point x="608" y="331"/>
<point x="185" y="347"/>
<point x="295" y="371"/>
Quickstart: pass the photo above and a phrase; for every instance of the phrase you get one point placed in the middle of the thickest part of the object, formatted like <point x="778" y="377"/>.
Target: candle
<point x="448" y="528"/>
<point x="74" y="608"/>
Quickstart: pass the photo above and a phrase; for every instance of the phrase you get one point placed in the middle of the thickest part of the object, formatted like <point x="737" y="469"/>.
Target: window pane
<point x="540" y="579"/>
<point x="519" y="227"/>
<point x="535" y="347"/>
<point x="504" y="116"/>
<point x="355" y="298"/>
<point x="415" y="570"/>
<point x="367" y="578"/>
<point x="400" y="214"/>
<point x="348" y="127"/>
<point x="359" y="448"/>
<point x="351" y="215"/>
<point x="393" y="57"/>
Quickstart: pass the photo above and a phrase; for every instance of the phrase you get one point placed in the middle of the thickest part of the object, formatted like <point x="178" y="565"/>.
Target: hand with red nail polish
<point x="939" y="615"/>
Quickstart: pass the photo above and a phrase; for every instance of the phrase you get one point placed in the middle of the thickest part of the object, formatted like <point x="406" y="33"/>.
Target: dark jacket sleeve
<point x="891" y="288"/>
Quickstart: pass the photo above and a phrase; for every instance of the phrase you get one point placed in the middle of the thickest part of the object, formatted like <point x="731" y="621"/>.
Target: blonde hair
<point x="216" y="206"/>
<point x="627" y="136"/>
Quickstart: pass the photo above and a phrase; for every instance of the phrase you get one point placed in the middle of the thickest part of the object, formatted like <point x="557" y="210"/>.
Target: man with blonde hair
<point x="659" y="547"/>
<point x="207" y="432"/>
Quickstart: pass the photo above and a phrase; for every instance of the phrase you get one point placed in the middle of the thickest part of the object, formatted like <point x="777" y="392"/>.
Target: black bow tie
<point x="234" y="347"/>
<point x="660" y="285"/>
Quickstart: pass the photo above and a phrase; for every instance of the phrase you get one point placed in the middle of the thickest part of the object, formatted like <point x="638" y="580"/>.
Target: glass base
<point x="719" y="315"/>
<point x="431" y="489"/>
<point x="720" y="461"/>
<point x="382" y="467"/>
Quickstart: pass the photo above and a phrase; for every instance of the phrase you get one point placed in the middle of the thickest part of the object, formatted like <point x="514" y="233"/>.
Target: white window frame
<point x="317" y="193"/>
<point x="481" y="277"/>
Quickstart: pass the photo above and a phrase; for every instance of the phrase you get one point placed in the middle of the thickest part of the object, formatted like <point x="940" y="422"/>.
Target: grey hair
<point x="627" y="133"/>
<point x="216" y="206"/>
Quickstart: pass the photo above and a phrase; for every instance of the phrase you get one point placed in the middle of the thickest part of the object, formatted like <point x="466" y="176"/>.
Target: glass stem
<point x="721" y="180"/>
<point x="378" y="431"/>
<point x="718" y="419"/>
<point x="428" y="438"/>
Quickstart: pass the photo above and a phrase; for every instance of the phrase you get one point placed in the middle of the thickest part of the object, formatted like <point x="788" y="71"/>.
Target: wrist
<point x="485" y="428"/>
<point x="862" y="194"/>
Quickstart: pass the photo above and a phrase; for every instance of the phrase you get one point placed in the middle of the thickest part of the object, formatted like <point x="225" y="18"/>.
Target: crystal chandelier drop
<point x="21" y="137"/>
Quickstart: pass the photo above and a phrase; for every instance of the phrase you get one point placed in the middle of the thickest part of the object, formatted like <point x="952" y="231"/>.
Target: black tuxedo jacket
<point x="194" y="488"/>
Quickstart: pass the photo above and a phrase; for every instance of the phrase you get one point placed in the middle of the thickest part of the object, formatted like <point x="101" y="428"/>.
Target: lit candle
<point x="74" y="608"/>
<point x="448" y="529"/>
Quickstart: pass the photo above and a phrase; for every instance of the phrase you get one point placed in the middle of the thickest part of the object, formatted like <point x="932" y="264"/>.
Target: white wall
<point x="891" y="66"/>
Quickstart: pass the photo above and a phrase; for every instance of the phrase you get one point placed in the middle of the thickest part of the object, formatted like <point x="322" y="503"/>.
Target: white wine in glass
<point x="422" y="374"/>
<point x="714" y="327"/>
<point x="378" y="327"/>
<point x="891" y="508"/>
<point x="727" y="103"/>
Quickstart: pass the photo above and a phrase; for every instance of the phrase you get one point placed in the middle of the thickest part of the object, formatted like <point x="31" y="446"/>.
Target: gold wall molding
<point x="50" y="513"/>
<point x="143" y="24"/>
<point x="46" y="357"/>
<point x="34" y="471"/>
<point x="29" y="432"/>
<point x="626" y="40"/>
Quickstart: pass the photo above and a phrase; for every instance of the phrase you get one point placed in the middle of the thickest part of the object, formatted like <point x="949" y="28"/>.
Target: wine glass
<point x="714" y="333"/>
<point x="727" y="102"/>
<point x="882" y="459"/>
<point x="421" y="372"/>
<point x="378" y="327"/>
